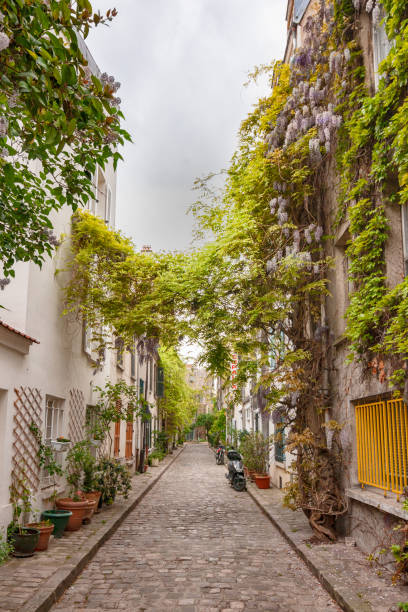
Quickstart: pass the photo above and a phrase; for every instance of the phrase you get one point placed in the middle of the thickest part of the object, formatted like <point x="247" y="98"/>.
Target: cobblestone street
<point x="193" y="544"/>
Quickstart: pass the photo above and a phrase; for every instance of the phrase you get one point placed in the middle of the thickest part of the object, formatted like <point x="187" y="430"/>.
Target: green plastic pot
<point x="24" y="543"/>
<point x="59" y="518"/>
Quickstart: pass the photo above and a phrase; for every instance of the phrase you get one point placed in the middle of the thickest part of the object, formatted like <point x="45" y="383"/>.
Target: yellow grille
<point x="382" y="443"/>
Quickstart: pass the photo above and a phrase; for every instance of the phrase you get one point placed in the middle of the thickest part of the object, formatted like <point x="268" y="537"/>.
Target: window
<point x="87" y="339"/>
<point x="160" y="382"/>
<point x="381" y="47"/>
<point x="151" y="374"/>
<point x="141" y="387"/>
<point x="119" y="352"/>
<point x="279" y="443"/>
<point x="54" y="419"/>
<point x="54" y="427"/>
<point x="382" y="430"/>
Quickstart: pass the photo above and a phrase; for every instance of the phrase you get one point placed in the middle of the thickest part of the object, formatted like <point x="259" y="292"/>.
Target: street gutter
<point x="53" y="588"/>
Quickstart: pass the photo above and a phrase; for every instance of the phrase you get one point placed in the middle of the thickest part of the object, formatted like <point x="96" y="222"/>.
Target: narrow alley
<point x="195" y="545"/>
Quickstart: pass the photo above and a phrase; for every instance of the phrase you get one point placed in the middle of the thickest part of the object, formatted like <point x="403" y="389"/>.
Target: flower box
<point x="59" y="447"/>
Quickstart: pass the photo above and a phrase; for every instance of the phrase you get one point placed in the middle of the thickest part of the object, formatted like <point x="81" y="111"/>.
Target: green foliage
<point x="112" y="284"/>
<point x="117" y="402"/>
<point x="80" y="469"/>
<point x="161" y="441"/>
<point x="58" y="122"/>
<point x="205" y="420"/>
<point x="6" y="548"/>
<point x="255" y="449"/>
<point x="156" y="454"/>
<point x="20" y="498"/>
<point x="217" y="431"/>
<point x="375" y="175"/>
<point x="45" y="454"/>
<point x="178" y="406"/>
<point x="112" y="479"/>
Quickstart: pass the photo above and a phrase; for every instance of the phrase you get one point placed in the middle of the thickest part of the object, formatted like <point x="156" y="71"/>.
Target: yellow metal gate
<point x="382" y="444"/>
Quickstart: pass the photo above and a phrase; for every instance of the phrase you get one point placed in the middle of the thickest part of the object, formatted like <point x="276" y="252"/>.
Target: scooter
<point x="219" y="454"/>
<point x="236" y="471"/>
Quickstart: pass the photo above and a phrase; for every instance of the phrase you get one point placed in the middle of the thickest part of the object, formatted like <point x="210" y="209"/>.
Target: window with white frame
<point x="381" y="46"/>
<point x="54" y="419"/>
<point x="87" y="339"/>
<point x="54" y="427"/>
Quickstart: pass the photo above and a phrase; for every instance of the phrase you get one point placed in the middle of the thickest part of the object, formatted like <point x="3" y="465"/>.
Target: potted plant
<point x="89" y="482"/>
<point x="113" y="478"/>
<point x="22" y="538"/>
<point x="155" y="457"/>
<point x="59" y="518"/>
<point x="255" y="449"/>
<point x="45" y="527"/>
<point x="75" y="503"/>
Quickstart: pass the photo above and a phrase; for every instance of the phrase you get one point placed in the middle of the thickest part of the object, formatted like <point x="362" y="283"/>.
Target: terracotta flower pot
<point x="263" y="481"/>
<point x="94" y="496"/>
<point x="251" y="474"/>
<point x="45" y="534"/>
<point x="89" y="511"/>
<point x="78" y="509"/>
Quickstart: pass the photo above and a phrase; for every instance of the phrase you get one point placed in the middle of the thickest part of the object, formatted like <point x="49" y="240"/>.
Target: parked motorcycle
<point x="219" y="454"/>
<point x="236" y="471"/>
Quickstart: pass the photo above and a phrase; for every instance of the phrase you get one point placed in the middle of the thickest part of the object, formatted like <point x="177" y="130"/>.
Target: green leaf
<point x="68" y="74"/>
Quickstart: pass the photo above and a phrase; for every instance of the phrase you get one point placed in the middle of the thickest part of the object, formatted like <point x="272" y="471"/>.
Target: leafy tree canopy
<point x="57" y="121"/>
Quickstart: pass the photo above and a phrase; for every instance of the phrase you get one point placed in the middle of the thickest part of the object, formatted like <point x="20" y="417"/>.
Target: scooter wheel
<point x="239" y="483"/>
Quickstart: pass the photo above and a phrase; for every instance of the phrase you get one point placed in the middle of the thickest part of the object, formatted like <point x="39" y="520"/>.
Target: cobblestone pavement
<point x="195" y="545"/>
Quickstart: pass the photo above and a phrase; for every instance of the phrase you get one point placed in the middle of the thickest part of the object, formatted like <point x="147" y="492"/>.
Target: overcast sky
<point x="182" y="65"/>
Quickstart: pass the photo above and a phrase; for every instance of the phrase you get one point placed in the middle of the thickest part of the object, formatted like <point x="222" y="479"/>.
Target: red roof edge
<point x="19" y="333"/>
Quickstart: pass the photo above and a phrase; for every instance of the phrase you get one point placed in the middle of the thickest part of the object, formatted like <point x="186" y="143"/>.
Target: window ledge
<point x="120" y="367"/>
<point x="375" y="498"/>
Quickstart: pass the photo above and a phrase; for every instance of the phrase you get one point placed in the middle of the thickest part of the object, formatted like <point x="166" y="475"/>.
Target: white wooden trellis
<point x="25" y="468"/>
<point x="76" y="415"/>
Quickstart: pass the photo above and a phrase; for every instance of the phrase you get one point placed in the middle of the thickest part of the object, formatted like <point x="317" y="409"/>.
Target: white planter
<point x="155" y="462"/>
<point x="59" y="447"/>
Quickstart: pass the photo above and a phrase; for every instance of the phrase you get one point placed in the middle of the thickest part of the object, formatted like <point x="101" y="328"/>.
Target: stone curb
<point x="345" y="593"/>
<point x="53" y="588"/>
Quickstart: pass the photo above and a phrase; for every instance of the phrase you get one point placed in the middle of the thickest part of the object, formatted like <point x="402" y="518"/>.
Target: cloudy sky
<point x="182" y="65"/>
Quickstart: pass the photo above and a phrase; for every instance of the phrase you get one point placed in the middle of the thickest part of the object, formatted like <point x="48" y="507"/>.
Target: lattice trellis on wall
<point x="76" y="415"/>
<point x="24" y="464"/>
